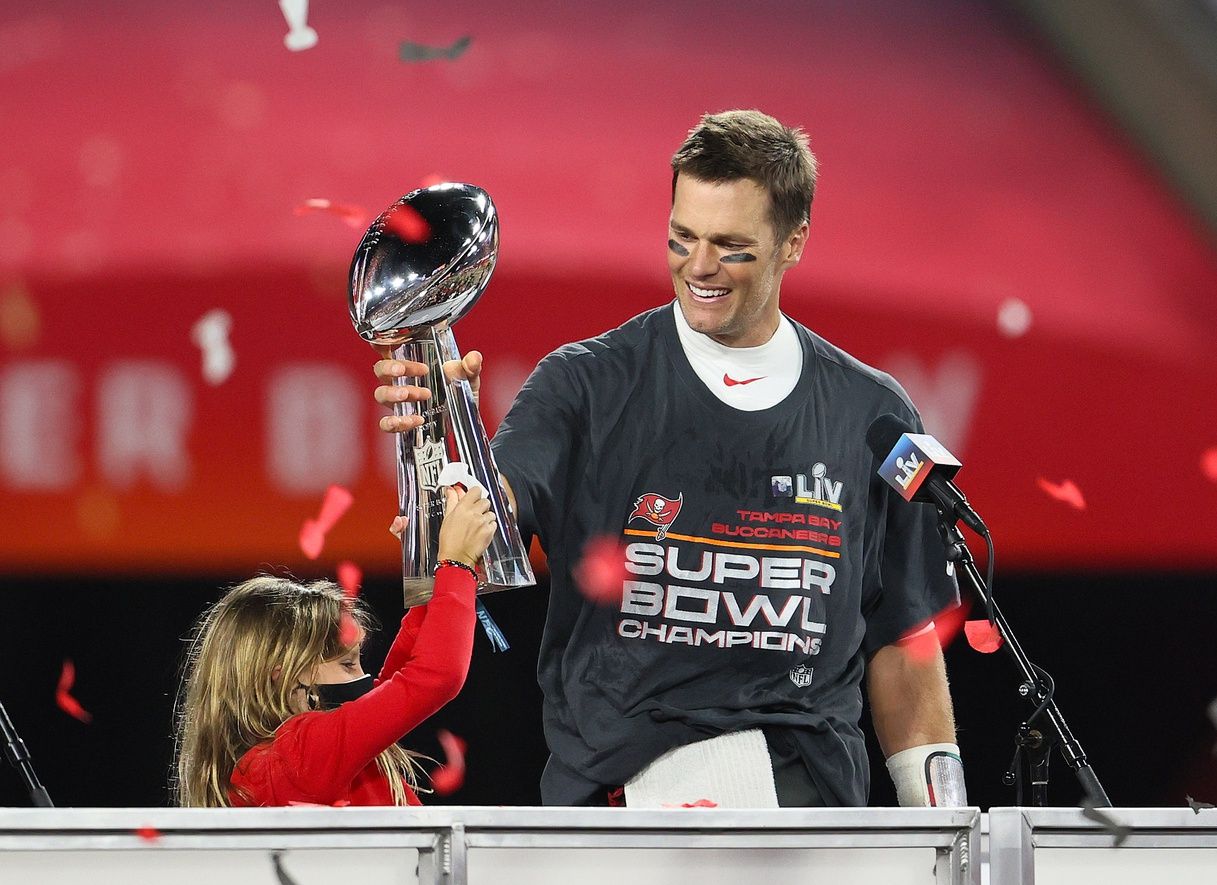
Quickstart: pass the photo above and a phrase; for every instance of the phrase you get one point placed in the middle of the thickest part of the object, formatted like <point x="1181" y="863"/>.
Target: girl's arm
<point x="403" y="644"/>
<point x="332" y="747"/>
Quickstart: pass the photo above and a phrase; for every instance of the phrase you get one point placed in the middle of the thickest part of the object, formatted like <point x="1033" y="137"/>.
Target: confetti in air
<point x="1013" y="318"/>
<point x="348" y="631"/>
<point x="924" y="642"/>
<point x="148" y="834"/>
<point x="417" y="52"/>
<point x="601" y="574"/>
<point x="63" y="694"/>
<point x="341" y="803"/>
<point x="1208" y="464"/>
<point x="405" y="221"/>
<point x="1066" y="492"/>
<point x="210" y="335"/>
<point x="312" y="534"/>
<point x="1118" y="831"/>
<point x="300" y="36"/>
<point x="982" y="636"/>
<point x="353" y="216"/>
<point x="1196" y="806"/>
<point x="349" y="577"/>
<point x="450" y="776"/>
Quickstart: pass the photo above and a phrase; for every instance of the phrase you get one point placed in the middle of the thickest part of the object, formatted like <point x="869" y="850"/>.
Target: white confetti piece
<point x="1013" y="318"/>
<point x="301" y="36"/>
<point x="210" y="333"/>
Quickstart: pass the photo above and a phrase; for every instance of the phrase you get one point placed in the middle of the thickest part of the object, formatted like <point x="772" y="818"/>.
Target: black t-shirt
<point x="766" y="560"/>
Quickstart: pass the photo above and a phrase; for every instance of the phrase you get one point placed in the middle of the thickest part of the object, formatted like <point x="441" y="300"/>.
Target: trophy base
<point x="418" y="591"/>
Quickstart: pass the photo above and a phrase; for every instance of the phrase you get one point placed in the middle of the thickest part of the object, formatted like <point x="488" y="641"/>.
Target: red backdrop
<point x="154" y="153"/>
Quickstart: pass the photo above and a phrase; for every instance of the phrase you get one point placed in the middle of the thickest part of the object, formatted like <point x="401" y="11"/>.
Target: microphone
<point x="920" y="468"/>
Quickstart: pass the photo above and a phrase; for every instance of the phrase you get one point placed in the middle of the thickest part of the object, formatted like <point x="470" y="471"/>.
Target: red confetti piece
<point x="312" y="533"/>
<point x="601" y="573"/>
<point x="923" y="642"/>
<point x="148" y="834"/>
<point x="1066" y="492"/>
<point x="983" y="636"/>
<point x="341" y="803"/>
<point x="700" y="803"/>
<point x="450" y="776"/>
<point x="349" y="578"/>
<point x="348" y="631"/>
<point x="1208" y="464"/>
<point x="405" y="221"/>
<point x="63" y="696"/>
<point x="354" y="216"/>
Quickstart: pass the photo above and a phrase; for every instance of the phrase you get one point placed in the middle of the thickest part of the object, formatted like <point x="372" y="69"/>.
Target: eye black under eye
<point x="678" y="248"/>
<point x="738" y="258"/>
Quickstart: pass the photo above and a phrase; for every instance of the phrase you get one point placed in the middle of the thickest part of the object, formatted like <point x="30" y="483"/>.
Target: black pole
<point x="1033" y="687"/>
<point x="19" y="756"/>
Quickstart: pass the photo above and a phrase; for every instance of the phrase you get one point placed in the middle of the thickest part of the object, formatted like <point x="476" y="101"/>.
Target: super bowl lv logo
<point x="658" y="511"/>
<point x="823" y="491"/>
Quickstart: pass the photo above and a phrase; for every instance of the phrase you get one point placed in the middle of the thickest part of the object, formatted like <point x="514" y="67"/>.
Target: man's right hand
<point x="390" y="370"/>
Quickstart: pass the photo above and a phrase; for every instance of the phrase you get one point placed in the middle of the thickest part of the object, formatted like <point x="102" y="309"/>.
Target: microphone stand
<point x="1035" y="742"/>
<point x="18" y="755"/>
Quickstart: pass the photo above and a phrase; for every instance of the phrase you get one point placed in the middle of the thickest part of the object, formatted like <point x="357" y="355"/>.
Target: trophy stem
<point x="505" y="563"/>
<point x="417" y="580"/>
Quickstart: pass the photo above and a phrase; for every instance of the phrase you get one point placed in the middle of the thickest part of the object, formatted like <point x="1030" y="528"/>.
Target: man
<point x="769" y="567"/>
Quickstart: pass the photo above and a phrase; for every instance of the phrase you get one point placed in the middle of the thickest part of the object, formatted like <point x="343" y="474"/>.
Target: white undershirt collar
<point x="746" y="378"/>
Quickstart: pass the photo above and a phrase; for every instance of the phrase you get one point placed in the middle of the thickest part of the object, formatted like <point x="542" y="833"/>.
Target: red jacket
<point x="329" y="757"/>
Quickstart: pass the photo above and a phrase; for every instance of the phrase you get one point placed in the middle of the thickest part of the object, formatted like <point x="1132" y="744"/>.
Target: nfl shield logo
<point x="801" y="675"/>
<point x="429" y="461"/>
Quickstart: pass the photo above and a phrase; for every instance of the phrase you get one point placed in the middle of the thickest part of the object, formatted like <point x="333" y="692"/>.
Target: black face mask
<point x="331" y="695"/>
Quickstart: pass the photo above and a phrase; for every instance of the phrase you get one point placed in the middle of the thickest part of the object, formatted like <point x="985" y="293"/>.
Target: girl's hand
<point x="468" y="526"/>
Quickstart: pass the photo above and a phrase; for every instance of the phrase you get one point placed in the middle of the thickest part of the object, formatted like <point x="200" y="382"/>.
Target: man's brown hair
<point x="749" y="144"/>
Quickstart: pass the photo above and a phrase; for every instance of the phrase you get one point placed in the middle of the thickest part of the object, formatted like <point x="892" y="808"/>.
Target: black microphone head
<point x="883" y="433"/>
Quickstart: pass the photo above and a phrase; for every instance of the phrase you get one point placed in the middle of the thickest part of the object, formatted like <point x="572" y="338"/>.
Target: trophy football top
<point x="402" y="283"/>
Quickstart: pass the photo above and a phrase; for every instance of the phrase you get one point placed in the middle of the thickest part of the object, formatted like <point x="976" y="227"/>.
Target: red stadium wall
<point x="155" y="153"/>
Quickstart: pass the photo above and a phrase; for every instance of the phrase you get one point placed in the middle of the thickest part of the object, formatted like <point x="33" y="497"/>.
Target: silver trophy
<point x="406" y="291"/>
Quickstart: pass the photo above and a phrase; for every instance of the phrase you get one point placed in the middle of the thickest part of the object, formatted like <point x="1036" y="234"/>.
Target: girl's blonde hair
<point x="249" y="652"/>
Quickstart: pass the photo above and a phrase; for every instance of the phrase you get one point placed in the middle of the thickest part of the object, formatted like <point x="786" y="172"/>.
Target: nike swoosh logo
<point x="731" y="382"/>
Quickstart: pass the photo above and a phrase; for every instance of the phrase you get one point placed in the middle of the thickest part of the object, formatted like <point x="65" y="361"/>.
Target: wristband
<point x="929" y="775"/>
<point x="456" y="563"/>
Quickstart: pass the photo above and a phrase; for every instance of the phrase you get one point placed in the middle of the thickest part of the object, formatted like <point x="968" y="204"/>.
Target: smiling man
<point x="769" y="571"/>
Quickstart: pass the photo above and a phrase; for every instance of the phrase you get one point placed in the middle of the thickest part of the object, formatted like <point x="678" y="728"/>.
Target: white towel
<point x="731" y="770"/>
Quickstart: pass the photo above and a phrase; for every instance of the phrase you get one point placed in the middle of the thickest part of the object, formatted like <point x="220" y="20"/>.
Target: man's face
<point x="726" y="261"/>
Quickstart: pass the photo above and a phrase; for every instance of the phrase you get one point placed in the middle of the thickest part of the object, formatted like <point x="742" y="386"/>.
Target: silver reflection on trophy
<point x="406" y="292"/>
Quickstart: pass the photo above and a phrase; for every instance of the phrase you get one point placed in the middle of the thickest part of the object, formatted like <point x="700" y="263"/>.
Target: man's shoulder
<point x="846" y="370"/>
<point x="619" y="344"/>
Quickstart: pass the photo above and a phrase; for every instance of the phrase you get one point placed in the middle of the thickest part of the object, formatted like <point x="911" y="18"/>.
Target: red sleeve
<point x="403" y="645"/>
<point x="330" y="748"/>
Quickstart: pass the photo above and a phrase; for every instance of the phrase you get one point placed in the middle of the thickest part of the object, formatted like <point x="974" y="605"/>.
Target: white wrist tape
<point x="929" y="775"/>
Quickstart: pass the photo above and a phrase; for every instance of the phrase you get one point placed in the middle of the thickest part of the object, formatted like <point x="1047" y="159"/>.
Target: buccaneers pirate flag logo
<point x="658" y="511"/>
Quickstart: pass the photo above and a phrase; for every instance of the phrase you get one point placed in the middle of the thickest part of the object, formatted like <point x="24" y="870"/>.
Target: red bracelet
<point x="455" y="563"/>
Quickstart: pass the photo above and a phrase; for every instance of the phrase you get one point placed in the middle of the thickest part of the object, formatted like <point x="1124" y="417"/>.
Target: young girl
<point x="276" y="708"/>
